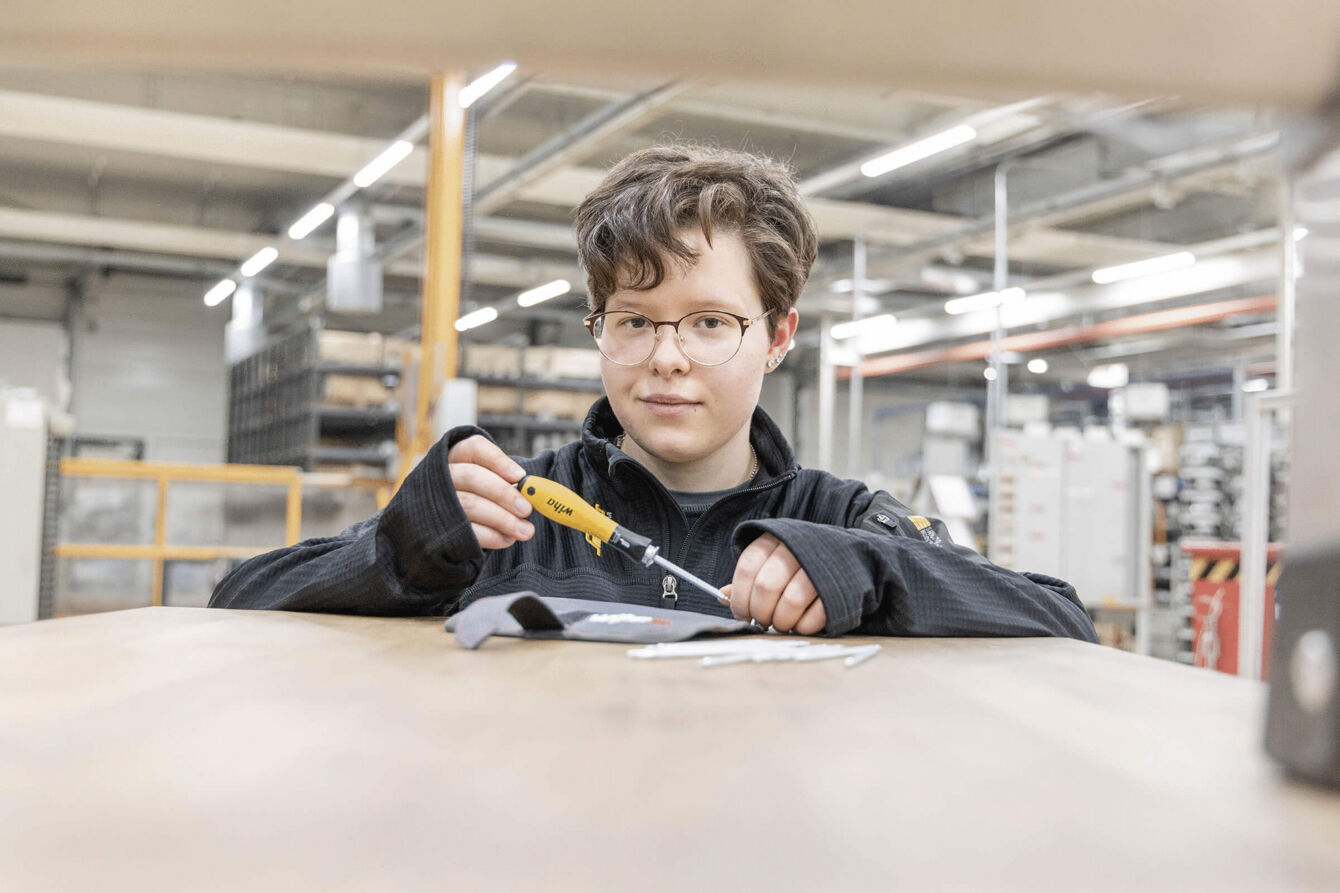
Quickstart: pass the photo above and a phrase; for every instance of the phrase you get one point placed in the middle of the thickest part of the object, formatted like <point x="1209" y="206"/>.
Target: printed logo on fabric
<point x="627" y="618"/>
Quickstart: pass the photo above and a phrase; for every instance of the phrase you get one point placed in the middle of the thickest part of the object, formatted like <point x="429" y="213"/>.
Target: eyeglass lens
<point x="709" y="338"/>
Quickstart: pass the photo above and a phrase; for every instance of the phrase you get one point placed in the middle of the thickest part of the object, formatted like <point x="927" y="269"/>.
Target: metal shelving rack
<point x="516" y="432"/>
<point x="46" y="587"/>
<point x="276" y="415"/>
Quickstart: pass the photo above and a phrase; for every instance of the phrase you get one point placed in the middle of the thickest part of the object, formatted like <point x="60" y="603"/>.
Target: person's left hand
<point x="771" y="587"/>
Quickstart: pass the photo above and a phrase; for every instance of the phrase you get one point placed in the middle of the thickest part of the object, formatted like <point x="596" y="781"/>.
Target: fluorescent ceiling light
<point x="472" y="91"/>
<point x="379" y="166"/>
<point x="950" y="280"/>
<point x="1144" y="267"/>
<point x="259" y="261"/>
<point x="867" y="326"/>
<point x="310" y="221"/>
<point x="924" y="148"/>
<point x="1037" y="365"/>
<point x="1116" y="375"/>
<point x="214" y="297"/>
<point x="476" y="318"/>
<point x="544" y="292"/>
<point x="989" y="373"/>
<point x="872" y="286"/>
<point x="1256" y="385"/>
<point x="984" y="301"/>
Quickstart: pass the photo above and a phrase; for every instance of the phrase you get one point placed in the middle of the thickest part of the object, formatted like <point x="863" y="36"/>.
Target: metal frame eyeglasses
<point x="595" y="324"/>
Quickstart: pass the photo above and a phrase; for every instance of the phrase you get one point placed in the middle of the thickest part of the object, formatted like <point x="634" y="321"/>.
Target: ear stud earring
<point x="774" y="362"/>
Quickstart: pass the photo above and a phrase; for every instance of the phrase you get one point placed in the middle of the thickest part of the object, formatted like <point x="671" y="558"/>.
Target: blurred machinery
<point x="1079" y="509"/>
<point x="1303" y="722"/>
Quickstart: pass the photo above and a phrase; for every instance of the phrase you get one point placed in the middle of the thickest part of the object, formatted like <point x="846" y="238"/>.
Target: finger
<point x="769" y="584"/>
<point x="795" y="600"/>
<point x="814" y="619"/>
<point x="469" y="478"/>
<point x="739" y="601"/>
<point x="729" y="591"/>
<point x="739" y="608"/>
<point x="726" y="591"/>
<point x="490" y="538"/>
<point x="479" y="450"/>
<point x="488" y="514"/>
<point x="746" y="567"/>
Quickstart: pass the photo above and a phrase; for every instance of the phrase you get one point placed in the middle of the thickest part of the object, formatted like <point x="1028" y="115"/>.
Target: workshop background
<point x="1061" y="322"/>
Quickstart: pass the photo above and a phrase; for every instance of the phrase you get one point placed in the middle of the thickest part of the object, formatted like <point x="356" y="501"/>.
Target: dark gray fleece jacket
<point x="879" y="569"/>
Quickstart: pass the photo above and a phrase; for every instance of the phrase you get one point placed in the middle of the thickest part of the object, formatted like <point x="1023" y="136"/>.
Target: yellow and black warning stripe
<point x="1224" y="569"/>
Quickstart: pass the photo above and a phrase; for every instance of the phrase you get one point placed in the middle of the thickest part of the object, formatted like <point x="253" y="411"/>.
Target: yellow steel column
<point x="442" y="250"/>
<point x="293" y="510"/>
<point x="160" y="539"/>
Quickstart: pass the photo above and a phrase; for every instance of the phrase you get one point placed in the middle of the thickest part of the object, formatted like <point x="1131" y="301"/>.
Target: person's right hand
<point x="483" y="476"/>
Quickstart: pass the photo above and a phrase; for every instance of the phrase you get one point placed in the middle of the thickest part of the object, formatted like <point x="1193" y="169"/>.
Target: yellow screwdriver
<point x="557" y="503"/>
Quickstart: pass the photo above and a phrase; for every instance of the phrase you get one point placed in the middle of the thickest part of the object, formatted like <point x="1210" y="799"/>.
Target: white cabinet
<point x="1074" y="509"/>
<point x="23" y="451"/>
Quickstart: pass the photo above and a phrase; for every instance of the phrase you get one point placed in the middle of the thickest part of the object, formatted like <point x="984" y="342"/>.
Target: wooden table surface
<point x="187" y="748"/>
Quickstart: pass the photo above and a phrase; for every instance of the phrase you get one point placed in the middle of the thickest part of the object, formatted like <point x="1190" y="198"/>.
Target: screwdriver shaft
<point x="701" y="584"/>
<point x="561" y="505"/>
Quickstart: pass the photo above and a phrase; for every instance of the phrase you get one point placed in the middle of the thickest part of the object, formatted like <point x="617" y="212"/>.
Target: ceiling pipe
<point x="130" y="262"/>
<point x="583" y="137"/>
<point x="1172" y="167"/>
<point x="842" y="175"/>
<point x="1032" y="142"/>
<point x="1144" y="323"/>
<point x="588" y="133"/>
<point x="760" y="116"/>
<point x="1238" y="260"/>
<point x="530" y="233"/>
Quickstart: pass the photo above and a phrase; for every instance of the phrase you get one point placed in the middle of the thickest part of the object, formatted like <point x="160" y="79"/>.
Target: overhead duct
<point x="354" y="273"/>
<point x="244" y="333"/>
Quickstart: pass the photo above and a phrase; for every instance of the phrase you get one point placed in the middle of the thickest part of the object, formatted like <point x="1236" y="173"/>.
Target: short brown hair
<point x="628" y="226"/>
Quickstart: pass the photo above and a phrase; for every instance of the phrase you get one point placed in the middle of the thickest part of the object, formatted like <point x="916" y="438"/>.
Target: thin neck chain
<point x="753" y="455"/>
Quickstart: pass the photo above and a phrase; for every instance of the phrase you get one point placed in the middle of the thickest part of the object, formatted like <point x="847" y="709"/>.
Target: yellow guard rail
<point x="166" y="473"/>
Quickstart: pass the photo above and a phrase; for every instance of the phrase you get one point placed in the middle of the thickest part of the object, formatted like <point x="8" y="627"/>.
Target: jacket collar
<point x="602" y="427"/>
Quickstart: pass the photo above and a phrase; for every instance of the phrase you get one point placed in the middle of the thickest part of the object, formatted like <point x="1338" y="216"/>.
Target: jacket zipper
<point x="669" y="583"/>
<point x="667" y="588"/>
<point x="767" y="485"/>
<point x="669" y="591"/>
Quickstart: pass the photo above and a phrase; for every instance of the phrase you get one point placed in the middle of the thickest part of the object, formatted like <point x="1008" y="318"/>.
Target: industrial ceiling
<point x="186" y="175"/>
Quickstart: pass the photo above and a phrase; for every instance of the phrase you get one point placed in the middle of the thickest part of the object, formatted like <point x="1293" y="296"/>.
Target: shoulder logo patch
<point x="923" y="526"/>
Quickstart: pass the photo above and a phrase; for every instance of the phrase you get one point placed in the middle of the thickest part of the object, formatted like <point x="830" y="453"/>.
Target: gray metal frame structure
<point x="276" y="415"/>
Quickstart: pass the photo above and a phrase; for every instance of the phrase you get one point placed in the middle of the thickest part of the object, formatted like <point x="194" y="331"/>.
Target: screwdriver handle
<point x="557" y="503"/>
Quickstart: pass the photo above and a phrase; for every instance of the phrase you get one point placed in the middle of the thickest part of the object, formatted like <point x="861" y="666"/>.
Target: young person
<point x="695" y="259"/>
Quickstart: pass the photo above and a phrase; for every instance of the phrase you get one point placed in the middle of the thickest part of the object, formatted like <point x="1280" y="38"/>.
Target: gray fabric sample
<point x="528" y="615"/>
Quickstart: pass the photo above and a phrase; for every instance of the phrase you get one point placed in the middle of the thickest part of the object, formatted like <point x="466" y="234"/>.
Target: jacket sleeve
<point x="405" y="560"/>
<point x="889" y="572"/>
